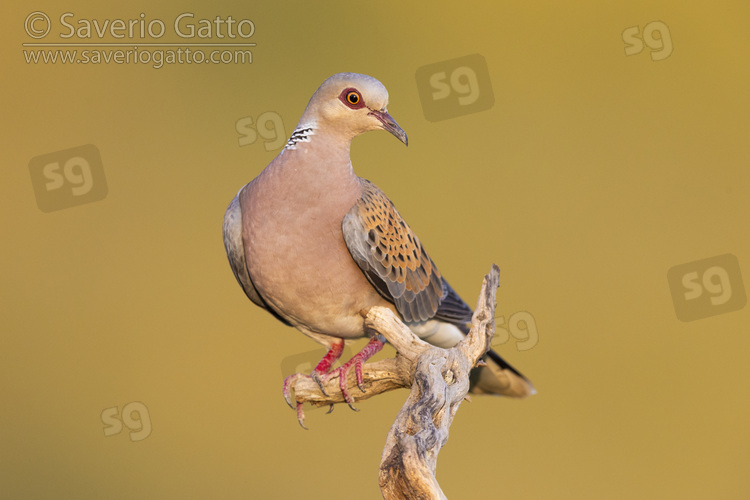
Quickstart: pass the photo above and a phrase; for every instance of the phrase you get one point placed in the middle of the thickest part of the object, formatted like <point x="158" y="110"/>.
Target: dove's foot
<point x="320" y="375"/>
<point x="375" y="344"/>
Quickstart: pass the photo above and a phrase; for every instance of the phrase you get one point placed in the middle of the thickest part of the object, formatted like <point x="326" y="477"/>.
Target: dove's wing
<point x="397" y="265"/>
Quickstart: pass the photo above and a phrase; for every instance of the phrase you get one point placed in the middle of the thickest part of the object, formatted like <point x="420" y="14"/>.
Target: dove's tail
<point x="500" y="378"/>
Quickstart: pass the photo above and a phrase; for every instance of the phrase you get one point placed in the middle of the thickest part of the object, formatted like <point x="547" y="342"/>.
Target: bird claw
<point x="320" y="379"/>
<point x="301" y="416"/>
<point x="343" y="372"/>
<point x="358" y="375"/>
<point x="297" y="406"/>
<point x="375" y="344"/>
<point x="287" y="390"/>
<point x="321" y="375"/>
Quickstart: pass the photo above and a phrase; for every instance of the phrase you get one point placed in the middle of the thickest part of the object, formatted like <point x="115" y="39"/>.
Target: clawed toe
<point x="375" y="344"/>
<point x="287" y="390"/>
<point x="301" y="416"/>
<point x="343" y="372"/>
<point x="320" y="379"/>
<point x="321" y="375"/>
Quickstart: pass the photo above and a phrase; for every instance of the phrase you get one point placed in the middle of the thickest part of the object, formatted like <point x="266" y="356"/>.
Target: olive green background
<point x="592" y="174"/>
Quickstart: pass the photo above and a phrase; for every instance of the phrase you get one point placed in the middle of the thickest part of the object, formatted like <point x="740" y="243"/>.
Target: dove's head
<point x="350" y="104"/>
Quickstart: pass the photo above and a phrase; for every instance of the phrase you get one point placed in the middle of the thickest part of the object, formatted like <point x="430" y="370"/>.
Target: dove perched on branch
<point x="315" y="245"/>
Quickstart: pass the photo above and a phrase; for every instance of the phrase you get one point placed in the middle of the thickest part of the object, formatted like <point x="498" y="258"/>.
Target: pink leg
<point x="375" y="344"/>
<point x="320" y="374"/>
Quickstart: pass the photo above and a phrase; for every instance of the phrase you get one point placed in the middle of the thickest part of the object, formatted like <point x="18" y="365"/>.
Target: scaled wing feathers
<point x="394" y="261"/>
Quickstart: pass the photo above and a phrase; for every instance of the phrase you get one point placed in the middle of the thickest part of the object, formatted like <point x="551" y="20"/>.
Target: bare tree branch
<point x="439" y="382"/>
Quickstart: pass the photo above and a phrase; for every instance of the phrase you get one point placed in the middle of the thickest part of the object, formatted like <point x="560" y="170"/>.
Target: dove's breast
<point x="296" y="254"/>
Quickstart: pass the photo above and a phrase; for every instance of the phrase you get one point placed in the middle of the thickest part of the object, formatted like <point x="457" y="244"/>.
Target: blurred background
<point x="598" y="154"/>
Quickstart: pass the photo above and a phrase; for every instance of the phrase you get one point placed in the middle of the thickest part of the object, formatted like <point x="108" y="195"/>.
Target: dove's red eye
<point x="352" y="98"/>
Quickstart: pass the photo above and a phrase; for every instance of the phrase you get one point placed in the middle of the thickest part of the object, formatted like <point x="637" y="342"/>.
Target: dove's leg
<point x="320" y="374"/>
<point x="375" y="344"/>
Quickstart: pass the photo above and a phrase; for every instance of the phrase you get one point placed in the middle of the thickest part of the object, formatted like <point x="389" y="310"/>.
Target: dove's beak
<point x="389" y="124"/>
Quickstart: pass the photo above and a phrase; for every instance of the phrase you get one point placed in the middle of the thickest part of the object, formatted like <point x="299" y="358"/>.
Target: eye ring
<point x="352" y="98"/>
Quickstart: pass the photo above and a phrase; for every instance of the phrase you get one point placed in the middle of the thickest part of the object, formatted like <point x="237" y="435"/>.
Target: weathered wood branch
<point x="439" y="382"/>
